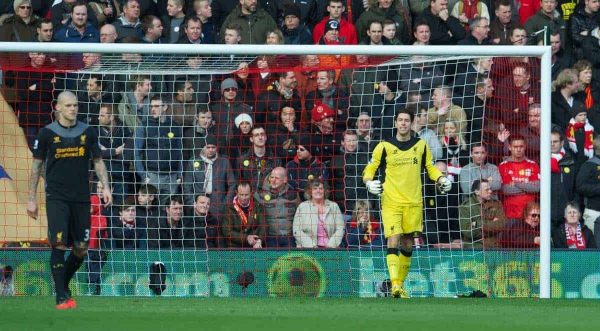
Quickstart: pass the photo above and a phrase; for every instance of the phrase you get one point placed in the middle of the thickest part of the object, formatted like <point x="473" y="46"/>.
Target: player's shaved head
<point x="66" y="96"/>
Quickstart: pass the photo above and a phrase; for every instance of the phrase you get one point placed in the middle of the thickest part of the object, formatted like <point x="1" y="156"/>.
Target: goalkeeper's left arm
<point x="435" y="174"/>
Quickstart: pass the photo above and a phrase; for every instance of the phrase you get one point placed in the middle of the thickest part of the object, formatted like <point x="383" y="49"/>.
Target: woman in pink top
<point x="318" y="221"/>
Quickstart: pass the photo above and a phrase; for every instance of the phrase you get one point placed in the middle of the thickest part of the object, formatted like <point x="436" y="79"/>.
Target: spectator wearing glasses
<point x="225" y="111"/>
<point x="258" y="161"/>
<point x="479" y="30"/>
<point x="22" y="25"/>
<point x="523" y="233"/>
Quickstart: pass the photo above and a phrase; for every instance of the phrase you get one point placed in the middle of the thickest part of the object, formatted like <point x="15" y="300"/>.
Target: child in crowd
<point x="98" y="232"/>
<point x="389" y="32"/>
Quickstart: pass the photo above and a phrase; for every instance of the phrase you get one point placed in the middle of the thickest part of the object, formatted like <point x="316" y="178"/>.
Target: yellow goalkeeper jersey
<point x="402" y="164"/>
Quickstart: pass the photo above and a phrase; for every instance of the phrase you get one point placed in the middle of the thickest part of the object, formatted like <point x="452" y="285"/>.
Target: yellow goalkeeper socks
<point x="393" y="262"/>
<point x="403" y="267"/>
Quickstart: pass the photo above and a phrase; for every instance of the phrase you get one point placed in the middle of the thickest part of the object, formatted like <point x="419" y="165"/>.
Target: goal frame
<point x="544" y="52"/>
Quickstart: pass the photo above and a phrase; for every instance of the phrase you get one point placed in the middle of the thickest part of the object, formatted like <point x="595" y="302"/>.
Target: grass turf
<point x="108" y="313"/>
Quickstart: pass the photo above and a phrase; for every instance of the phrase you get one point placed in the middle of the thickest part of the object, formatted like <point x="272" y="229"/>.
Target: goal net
<point x="216" y="164"/>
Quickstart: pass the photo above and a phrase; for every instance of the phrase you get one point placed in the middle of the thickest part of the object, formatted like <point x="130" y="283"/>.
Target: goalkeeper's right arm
<point x="374" y="186"/>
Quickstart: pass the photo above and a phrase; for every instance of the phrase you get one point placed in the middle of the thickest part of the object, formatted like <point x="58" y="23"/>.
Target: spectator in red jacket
<point x="98" y="231"/>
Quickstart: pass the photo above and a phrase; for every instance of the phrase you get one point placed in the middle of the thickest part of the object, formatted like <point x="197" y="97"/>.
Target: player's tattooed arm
<point x="101" y="172"/>
<point x="36" y="171"/>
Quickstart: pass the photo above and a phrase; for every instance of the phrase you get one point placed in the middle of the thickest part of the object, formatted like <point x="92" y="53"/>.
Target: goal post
<point x="248" y="52"/>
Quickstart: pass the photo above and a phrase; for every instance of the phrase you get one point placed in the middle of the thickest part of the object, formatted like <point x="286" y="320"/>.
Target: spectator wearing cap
<point x="294" y="31"/>
<point x="225" y="111"/>
<point x="347" y="33"/>
<point x="305" y="166"/>
<point x="22" y="26"/>
<point x="331" y="37"/>
<point x="325" y="140"/>
<point x="254" y="22"/>
<point x="379" y="11"/>
<point x="240" y="142"/>
<point x="309" y="11"/>
<point x="208" y="173"/>
<point x="256" y="163"/>
<point x="328" y="93"/>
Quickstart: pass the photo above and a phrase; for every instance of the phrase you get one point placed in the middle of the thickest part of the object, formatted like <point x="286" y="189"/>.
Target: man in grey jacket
<point x="280" y="202"/>
<point x="208" y="173"/>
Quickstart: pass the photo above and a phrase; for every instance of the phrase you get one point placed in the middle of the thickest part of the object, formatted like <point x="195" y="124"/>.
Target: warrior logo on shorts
<point x="59" y="237"/>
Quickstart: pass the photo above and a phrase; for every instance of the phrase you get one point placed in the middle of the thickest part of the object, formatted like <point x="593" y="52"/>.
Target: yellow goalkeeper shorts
<point x="401" y="220"/>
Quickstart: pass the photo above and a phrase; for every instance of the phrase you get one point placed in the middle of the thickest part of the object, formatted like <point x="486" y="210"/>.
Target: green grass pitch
<point x="344" y="314"/>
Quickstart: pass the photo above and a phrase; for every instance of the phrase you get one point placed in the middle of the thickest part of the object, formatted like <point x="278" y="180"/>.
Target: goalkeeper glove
<point x="445" y="184"/>
<point x="374" y="186"/>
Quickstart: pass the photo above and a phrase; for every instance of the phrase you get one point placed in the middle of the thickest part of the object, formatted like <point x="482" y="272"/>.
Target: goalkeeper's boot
<point x="399" y="292"/>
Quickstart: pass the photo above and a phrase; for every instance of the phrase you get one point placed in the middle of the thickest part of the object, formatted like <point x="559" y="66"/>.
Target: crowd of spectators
<point x="247" y="159"/>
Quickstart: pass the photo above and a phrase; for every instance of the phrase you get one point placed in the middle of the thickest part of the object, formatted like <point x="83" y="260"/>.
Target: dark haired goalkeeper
<point x="65" y="147"/>
<point x="402" y="160"/>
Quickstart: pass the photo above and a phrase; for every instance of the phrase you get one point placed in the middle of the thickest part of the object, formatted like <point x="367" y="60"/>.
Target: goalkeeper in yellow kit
<point x="402" y="159"/>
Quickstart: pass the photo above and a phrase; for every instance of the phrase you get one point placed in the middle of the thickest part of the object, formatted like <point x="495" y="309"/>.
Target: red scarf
<point x="575" y="240"/>
<point x="470" y="8"/>
<point x="370" y="234"/>
<point x="589" y="99"/>
<point x="238" y="208"/>
<point x="588" y="143"/>
<point x="556" y="157"/>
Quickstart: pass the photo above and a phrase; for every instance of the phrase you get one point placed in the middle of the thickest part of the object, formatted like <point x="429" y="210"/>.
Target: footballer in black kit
<point x="66" y="147"/>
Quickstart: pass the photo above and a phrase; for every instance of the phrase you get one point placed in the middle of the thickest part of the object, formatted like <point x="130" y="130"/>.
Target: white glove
<point x="445" y="184"/>
<point x="595" y="33"/>
<point x="374" y="186"/>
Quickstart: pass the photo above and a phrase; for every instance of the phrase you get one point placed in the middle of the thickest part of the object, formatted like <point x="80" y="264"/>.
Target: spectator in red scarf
<point x="363" y="230"/>
<point x="580" y="134"/>
<point x="244" y="220"/>
<point x="573" y="234"/>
